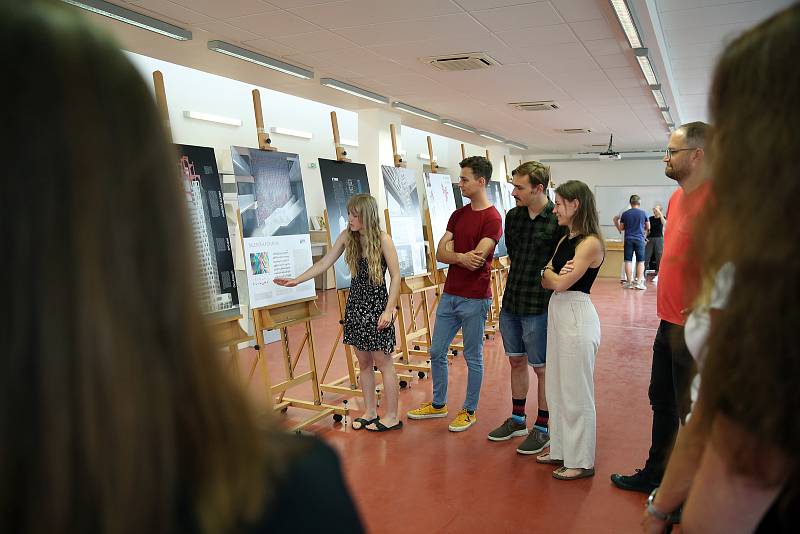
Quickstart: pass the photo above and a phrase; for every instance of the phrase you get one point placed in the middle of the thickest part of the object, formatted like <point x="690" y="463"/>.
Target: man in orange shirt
<point x="673" y="367"/>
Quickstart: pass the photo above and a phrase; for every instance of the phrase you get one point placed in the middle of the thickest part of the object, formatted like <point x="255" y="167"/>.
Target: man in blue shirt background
<point x="635" y="224"/>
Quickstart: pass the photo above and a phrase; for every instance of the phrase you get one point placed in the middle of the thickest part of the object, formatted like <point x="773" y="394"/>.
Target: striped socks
<point x="518" y="411"/>
<point x="541" y="420"/>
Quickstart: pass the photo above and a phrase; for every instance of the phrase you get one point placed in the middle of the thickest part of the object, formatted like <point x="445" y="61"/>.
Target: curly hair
<point x="366" y="208"/>
<point x="753" y="357"/>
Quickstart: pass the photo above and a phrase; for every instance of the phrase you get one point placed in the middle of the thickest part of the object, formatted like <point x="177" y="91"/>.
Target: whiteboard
<point x="613" y="199"/>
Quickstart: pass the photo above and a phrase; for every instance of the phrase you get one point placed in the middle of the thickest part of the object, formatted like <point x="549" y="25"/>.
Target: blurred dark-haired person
<point x="116" y="413"/>
<point x="467" y="246"/>
<point x="573" y="334"/>
<point x="673" y="367"/>
<point x="735" y="464"/>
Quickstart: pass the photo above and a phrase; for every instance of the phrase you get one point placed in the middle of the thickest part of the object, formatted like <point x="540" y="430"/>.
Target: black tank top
<point x="564" y="253"/>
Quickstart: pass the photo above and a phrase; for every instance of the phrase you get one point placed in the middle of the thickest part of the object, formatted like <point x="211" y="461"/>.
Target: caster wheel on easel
<point x="403" y="384"/>
<point x="421" y="374"/>
<point x="337" y="418"/>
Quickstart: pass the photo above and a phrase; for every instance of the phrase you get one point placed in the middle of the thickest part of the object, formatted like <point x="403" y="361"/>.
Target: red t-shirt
<point x="678" y="276"/>
<point x="468" y="228"/>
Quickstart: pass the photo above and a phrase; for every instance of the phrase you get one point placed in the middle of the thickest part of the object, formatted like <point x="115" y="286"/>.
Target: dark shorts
<point x="633" y="246"/>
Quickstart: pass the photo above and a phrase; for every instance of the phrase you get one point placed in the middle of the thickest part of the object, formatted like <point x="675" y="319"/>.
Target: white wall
<point x="191" y="89"/>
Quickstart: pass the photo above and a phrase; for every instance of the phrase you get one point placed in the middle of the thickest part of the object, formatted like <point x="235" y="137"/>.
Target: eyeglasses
<point x="670" y="151"/>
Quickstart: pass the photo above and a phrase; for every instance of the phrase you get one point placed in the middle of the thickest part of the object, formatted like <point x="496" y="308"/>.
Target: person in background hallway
<point x="736" y="464"/>
<point x="532" y="232"/>
<point x="655" y="239"/>
<point x="673" y="367"/>
<point x="468" y="246"/>
<point x="117" y="412"/>
<point x="370" y="310"/>
<point x="573" y="334"/>
<point x="635" y="225"/>
<point x="623" y="277"/>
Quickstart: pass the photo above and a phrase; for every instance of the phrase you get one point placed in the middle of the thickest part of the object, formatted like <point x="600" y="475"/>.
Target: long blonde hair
<point x="366" y="208"/>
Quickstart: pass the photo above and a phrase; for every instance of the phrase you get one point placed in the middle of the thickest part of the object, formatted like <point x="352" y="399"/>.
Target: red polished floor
<point x="427" y="479"/>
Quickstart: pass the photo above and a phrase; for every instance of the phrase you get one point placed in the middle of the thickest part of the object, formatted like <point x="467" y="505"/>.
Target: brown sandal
<point x="545" y="459"/>
<point x="584" y="473"/>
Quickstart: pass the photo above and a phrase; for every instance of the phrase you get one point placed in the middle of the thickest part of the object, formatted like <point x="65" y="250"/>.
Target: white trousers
<point x="573" y="337"/>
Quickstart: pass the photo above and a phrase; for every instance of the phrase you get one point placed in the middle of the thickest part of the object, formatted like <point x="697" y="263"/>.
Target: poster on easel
<point x="340" y="181"/>
<point x="441" y="205"/>
<point x="402" y="202"/>
<point x="508" y="198"/>
<point x="495" y="198"/>
<point x="272" y="207"/>
<point x="212" y="244"/>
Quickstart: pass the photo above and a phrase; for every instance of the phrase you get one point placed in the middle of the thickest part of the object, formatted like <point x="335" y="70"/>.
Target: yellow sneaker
<point x="427" y="411"/>
<point x="462" y="421"/>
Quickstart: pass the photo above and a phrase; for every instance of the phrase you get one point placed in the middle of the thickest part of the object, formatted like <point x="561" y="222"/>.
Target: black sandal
<point x="380" y="427"/>
<point x="362" y="422"/>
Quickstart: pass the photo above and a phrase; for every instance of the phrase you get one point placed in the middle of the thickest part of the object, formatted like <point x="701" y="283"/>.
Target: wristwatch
<point x="651" y="509"/>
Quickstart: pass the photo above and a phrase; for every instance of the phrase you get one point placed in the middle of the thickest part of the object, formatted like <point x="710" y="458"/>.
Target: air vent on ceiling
<point x="455" y="62"/>
<point x="577" y="131"/>
<point x="541" y="105"/>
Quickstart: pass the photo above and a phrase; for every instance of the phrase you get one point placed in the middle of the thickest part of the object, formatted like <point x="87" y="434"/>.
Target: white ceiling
<point x="570" y="51"/>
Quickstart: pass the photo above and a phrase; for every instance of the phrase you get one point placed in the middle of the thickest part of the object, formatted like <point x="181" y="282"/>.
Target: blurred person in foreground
<point x="116" y="413"/>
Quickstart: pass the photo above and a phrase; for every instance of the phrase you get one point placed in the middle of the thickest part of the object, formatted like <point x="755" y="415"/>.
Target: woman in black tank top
<point x="573" y="334"/>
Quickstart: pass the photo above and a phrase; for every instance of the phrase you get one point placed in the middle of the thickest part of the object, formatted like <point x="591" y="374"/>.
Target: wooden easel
<point x="411" y="287"/>
<point x="226" y="331"/>
<point x="281" y="317"/>
<point x="439" y="276"/>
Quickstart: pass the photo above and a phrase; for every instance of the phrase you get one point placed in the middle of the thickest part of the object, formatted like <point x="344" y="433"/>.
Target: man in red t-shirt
<point x="673" y="367"/>
<point x="467" y="246"/>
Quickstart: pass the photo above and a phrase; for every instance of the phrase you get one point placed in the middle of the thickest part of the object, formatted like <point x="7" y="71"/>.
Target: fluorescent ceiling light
<point x="666" y="115"/>
<point x="415" y="111"/>
<point x="493" y="137"/>
<point x="646" y="66"/>
<point x="133" y="18"/>
<point x="353" y="90"/>
<point x="516" y="145"/>
<point x="348" y="142"/>
<point x="259" y="59"/>
<point x="626" y="21"/>
<point x="659" y="96"/>
<point x="292" y="133"/>
<point x="208" y="117"/>
<point x="459" y="125"/>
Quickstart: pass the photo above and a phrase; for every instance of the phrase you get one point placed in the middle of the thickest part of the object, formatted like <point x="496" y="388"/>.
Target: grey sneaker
<point x="508" y="430"/>
<point x="535" y="442"/>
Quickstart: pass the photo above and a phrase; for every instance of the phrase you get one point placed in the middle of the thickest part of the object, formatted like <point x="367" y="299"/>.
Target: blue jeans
<point x="469" y="315"/>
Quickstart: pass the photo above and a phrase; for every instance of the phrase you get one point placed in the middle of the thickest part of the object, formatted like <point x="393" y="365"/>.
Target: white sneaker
<point x="655" y="279"/>
<point x="639" y="285"/>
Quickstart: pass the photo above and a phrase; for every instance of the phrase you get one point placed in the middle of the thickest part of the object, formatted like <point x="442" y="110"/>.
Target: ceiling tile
<point x="225" y="31"/>
<point x="545" y="35"/>
<point x="472" y="5"/>
<point x="414" y="30"/>
<point x="590" y="30"/>
<point x="603" y="47"/>
<point x="176" y="12"/>
<point x="559" y="52"/>
<point x="518" y="17"/>
<point x="629" y="83"/>
<point x="459" y="44"/>
<point x="577" y="10"/>
<point x="228" y="9"/>
<point x="352" y="13"/>
<point x="720" y="33"/>
<point x="274" y="24"/>
<point x="635" y="91"/>
<point x="701" y="17"/>
<point x="271" y="48"/>
<point x="620" y="73"/>
<point x="288" y="4"/>
<point x="315" y="41"/>
<point x="614" y="60"/>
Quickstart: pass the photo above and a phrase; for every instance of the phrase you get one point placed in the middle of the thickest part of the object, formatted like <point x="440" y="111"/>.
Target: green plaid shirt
<point x="530" y="243"/>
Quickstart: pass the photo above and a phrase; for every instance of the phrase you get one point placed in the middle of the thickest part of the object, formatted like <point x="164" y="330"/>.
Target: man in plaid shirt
<point x="532" y="233"/>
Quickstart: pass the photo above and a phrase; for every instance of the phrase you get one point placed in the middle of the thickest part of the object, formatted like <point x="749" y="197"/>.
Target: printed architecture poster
<point x="441" y="204"/>
<point x="508" y="198"/>
<point x="495" y="197"/>
<point x="201" y="182"/>
<point x="405" y="218"/>
<point x="274" y="224"/>
<point x="340" y="181"/>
